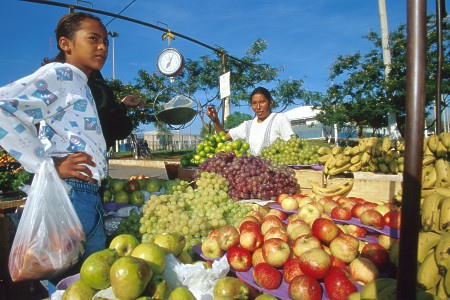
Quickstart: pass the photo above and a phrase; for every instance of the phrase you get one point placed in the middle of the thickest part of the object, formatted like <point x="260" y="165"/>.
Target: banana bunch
<point x="332" y="191"/>
<point x="385" y="289"/>
<point x="435" y="164"/>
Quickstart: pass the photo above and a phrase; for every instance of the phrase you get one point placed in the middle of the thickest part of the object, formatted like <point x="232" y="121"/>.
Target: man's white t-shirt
<point x="258" y="135"/>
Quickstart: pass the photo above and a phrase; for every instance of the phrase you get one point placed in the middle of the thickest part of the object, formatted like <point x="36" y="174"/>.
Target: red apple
<point x="315" y="263"/>
<point x="275" y="212"/>
<point x="305" y="287"/>
<point x="294" y="223"/>
<point x="276" y="232"/>
<point x="269" y="222"/>
<point x="346" y="202"/>
<point x="299" y="230"/>
<point x="289" y="203"/>
<point x="266" y="276"/>
<point x="215" y="232"/>
<point x="304" y="200"/>
<point x="249" y="218"/>
<point x="258" y="215"/>
<point x="363" y="270"/>
<point x="373" y="218"/>
<point x="345" y="247"/>
<point x="308" y="213"/>
<point x="382" y="209"/>
<point x="329" y="205"/>
<point x="280" y="197"/>
<point x="377" y="254"/>
<point x="359" y="208"/>
<point x="257" y="257"/>
<point x="336" y="262"/>
<point x="338" y="284"/>
<point x="291" y="269"/>
<point x="251" y="239"/>
<point x="276" y="252"/>
<point x="249" y="225"/>
<point x="211" y="247"/>
<point x="304" y="243"/>
<point x="228" y="237"/>
<point x="356" y="230"/>
<point x="393" y="219"/>
<point x="239" y="259"/>
<point x="325" y="230"/>
<point x="341" y="213"/>
<point x="386" y="241"/>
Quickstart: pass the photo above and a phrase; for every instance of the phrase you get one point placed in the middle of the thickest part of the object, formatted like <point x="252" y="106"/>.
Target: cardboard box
<point x="370" y="186"/>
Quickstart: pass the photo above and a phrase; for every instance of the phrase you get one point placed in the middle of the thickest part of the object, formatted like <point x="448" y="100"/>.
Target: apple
<point x="132" y="185"/>
<point x="318" y="205"/>
<point x="276" y="232"/>
<point x="250" y="218"/>
<point x="299" y="230"/>
<point x="304" y="243"/>
<point x="342" y="228"/>
<point x="257" y="257"/>
<point x="338" y="284"/>
<point x="228" y="237"/>
<point x="393" y="219"/>
<point x="172" y="242"/>
<point x="124" y="244"/>
<point x="382" y="209"/>
<point x="356" y="231"/>
<point x="289" y="203"/>
<point x="249" y="225"/>
<point x="386" y="241"/>
<point x="257" y="214"/>
<point x="275" y="212"/>
<point x="346" y="202"/>
<point x="341" y="213"/>
<point x="292" y="217"/>
<point x="363" y="270"/>
<point x="359" y="208"/>
<point x="325" y="230"/>
<point x="266" y="276"/>
<point x="345" y="247"/>
<point x="373" y="218"/>
<point x="229" y="288"/>
<point x="324" y="200"/>
<point x="276" y="252"/>
<point x="137" y="198"/>
<point x="240" y="259"/>
<point x="251" y="239"/>
<point x="153" y="254"/>
<point x="305" y="287"/>
<point x="377" y="254"/>
<point x="308" y="213"/>
<point x="211" y="247"/>
<point x="329" y="205"/>
<point x="336" y="262"/>
<point x="291" y="269"/>
<point x="280" y="197"/>
<point x="121" y="197"/>
<point x="214" y="232"/>
<point x="304" y="201"/>
<point x="393" y="253"/>
<point x="315" y="263"/>
<point x="269" y="222"/>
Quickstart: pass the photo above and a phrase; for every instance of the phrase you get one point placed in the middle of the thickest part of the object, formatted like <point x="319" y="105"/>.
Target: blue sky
<point x="304" y="36"/>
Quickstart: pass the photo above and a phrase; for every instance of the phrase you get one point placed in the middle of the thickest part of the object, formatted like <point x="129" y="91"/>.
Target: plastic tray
<point x="316" y="167"/>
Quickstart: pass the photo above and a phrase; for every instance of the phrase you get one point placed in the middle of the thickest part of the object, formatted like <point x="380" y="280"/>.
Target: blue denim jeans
<point x="87" y="203"/>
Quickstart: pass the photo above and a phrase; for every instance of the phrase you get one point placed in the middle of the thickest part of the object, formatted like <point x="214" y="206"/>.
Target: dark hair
<point x="263" y="91"/>
<point x="67" y="26"/>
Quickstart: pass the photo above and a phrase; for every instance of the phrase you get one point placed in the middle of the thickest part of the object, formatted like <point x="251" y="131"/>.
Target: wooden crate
<point x="305" y="175"/>
<point x="186" y="174"/>
<point x="370" y="186"/>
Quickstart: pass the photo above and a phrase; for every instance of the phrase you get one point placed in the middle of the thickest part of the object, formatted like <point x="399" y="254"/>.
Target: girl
<point x="57" y="98"/>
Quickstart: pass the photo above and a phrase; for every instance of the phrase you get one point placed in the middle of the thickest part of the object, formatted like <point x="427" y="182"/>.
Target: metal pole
<point x="412" y="175"/>
<point x="440" y="10"/>
<point x="226" y="100"/>
<point x="113" y="35"/>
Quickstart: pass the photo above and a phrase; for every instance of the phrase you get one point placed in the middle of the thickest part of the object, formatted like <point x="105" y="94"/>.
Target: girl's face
<point x="261" y="106"/>
<point x="88" y="49"/>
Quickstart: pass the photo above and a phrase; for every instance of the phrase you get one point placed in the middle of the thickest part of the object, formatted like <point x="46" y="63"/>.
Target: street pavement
<point x="124" y="171"/>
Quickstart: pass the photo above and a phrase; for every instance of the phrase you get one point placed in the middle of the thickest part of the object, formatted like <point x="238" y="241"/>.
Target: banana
<point x="376" y="149"/>
<point x="373" y="167"/>
<point x="355" y="159"/>
<point x="347" y="150"/>
<point x="425" y="143"/>
<point x="442" y="173"/>
<point x="365" y="158"/>
<point x="336" y="150"/>
<point x="428" y="273"/>
<point x="428" y="160"/>
<point x="383" y="168"/>
<point x="433" y="142"/>
<point x="429" y="176"/>
<point x="388" y="293"/>
<point x="442" y="191"/>
<point x="355" y="150"/>
<point x="331" y="162"/>
<point x="441" y="150"/>
<point x="401" y="167"/>
<point x="440" y="289"/>
<point x="444" y="215"/>
<point x="385" y="144"/>
<point x="430" y="212"/>
<point x="447" y="283"/>
<point x="372" y="289"/>
<point x="427" y="240"/>
<point x="342" y="160"/>
<point x="339" y="170"/>
<point x="324" y="151"/>
<point x="444" y="137"/>
<point x="393" y="167"/>
<point x="442" y="253"/>
<point x="355" y="167"/>
<point x="323" y="159"/>
<point x="331" y="191"/>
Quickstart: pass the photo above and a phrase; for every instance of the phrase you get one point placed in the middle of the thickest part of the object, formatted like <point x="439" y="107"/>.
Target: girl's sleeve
<point x="285" y="127"/>
<point x="23" y="104"/>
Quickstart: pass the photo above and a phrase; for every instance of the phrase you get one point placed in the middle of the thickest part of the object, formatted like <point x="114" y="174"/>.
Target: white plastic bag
<point x="49" y="238"/>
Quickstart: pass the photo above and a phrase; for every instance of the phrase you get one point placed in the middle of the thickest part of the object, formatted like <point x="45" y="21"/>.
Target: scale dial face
<point x="170" y="62"/>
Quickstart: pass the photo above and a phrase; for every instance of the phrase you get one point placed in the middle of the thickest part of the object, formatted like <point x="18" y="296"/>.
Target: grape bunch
<point x="192" y="212"/>
<point x="295" y="151"/>
<point x="251" y="177"/>
<point x="130" y="225"/>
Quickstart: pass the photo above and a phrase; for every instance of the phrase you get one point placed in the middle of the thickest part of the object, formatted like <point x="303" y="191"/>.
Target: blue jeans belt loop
<point x="82" y="186"/>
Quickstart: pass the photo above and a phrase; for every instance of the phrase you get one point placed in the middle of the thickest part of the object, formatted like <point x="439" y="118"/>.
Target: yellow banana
<point x="383" y="168"/>
<point x="428" y="273"/>
<point x="442" y="191"/>
<point x="355" y="150"/>
<point x="430" y="212"/>
<point x="347" y="150"/>
<point x="440" y="289"/>
<point x="355" y="159"/>
<point x="323" y="159"/>
<point x="429" y="176"/>
<point x="336" y="150"/>
<point x="441" y="150"/>
<point x="376" y="149"/>
<point x="428" y="160"/>
<point x="393" y="167"/>
<point x="442" y="253"/>
<point x="425" y="143"/>
<point x="355" y="167"/>
<point x="342" y="160"/>
<point x="444" y="137"/>
<point x="442" y="173"/>
<point x="331" y="162"/>
<point x="373" y="167"/>
<point x="433" y="142"/>
<point x="372" y="289"/>
<point x="401" y="167"/>
<point x="427" y="240"/>
<point x="365" y="158"/>
<point x="339" y="170"/>
<point x="444" y="216"/>
<point x="324" y="151"/>
<point x="447" y="283"/>
<point x="331" y="191"/>
<point x="386" y="144"/>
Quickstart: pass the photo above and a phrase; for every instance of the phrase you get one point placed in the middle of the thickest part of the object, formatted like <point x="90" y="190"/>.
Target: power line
<point x="120" y="12"/>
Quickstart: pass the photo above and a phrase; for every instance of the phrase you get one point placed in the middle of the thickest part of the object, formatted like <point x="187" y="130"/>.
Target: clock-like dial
<point x="170" y="62"/>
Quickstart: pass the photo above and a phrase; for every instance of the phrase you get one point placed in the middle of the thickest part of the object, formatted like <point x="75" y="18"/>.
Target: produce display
<point x="295" y="151"/>
<point x="192" y="212"/>
<point x="212" y="145"/>
<point x="251" y="177"/>
<point x="12" y="173"/>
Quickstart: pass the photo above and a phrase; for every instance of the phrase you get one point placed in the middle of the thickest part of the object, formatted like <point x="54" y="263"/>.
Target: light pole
<point x="113" y="34"/>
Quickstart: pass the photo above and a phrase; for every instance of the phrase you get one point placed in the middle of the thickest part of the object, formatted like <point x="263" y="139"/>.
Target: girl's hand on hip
<point x="74" y="165"/>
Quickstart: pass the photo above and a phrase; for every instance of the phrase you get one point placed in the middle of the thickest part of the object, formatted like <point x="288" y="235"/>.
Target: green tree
<point x="235" y="119"/>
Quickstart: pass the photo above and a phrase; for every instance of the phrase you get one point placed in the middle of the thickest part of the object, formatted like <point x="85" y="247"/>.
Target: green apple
<point x="121" y="197"/>
<point x="181" y="293"/>
<point x="171" y="242"/>
<point x="158" y="288"/>
<point x="265" y="296"/>
<point x="79" y="290"/>
<point x="203" y="263"/>
<point x="153" y="254"/>
<point x="129" y="277"/>
<point x="231" y="287"/>
<point x="116" y="185"/>
<point x="124" y="244"/>
<point x="185" y="257"/>
<point x="95" y="269"/>
<point x="107" y="196"/>
<point x="153" y="185"/>
<point x="137" y="198"/>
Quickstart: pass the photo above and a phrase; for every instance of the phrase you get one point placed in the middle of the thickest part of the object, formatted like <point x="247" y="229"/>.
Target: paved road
<point x="120" y="171"/>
